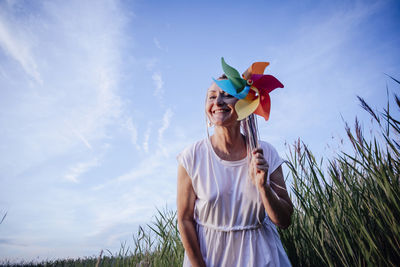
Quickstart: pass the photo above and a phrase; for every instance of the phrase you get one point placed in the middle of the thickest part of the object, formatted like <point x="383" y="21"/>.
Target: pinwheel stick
<point x="251" y="131"/>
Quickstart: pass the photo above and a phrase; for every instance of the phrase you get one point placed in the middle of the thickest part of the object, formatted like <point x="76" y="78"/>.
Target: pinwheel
<point x="252" y="89"/>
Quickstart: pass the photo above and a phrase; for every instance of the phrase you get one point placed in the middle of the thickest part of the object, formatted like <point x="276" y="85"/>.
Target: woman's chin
<point x="225" y="123"/>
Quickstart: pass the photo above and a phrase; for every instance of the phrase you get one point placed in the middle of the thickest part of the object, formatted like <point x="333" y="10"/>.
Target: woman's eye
<point x="212" y="97"/>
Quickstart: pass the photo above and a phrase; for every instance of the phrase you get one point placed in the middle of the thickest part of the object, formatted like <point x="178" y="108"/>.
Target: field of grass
<point x="347" y="208"/>
<point x="348" y="213"/>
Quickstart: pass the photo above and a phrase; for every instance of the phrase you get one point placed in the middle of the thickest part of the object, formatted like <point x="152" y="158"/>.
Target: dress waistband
<point x="229" y="229"/>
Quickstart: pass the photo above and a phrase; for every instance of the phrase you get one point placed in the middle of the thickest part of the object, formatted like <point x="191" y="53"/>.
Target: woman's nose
<point x="220" y="100"/>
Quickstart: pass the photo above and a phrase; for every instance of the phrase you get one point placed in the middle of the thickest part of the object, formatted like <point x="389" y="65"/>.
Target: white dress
<point x="232" y="227"/>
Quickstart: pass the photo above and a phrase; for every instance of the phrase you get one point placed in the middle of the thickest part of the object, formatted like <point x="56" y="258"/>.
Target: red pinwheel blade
<point x="266" y="83"/>
<point x="264" y="107"/>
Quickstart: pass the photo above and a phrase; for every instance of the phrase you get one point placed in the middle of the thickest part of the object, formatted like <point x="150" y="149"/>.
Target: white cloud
<point x="151" y="63"/>
<point x="80" y="168"/>
<point x="165" y="124"/>
<point x="166" y="121"/>
<point x="158" y="83"/>
<point x="157" y="43"/>
<point x="317" y="53"/>
<point x="322" y="74"/>
<point x="19" y="49"/>
<point x="149" y="184"/>
<point x="147" y="138"/>
<point x="57" y="128"/>
<point x="81" y="137"/>
<point x="79" y="52"/>
<point x="130" y="126"/>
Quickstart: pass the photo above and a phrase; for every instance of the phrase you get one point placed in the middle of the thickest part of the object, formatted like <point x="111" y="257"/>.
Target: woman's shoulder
<point x="271" y="155"/>
<point x="191" y="151"/>
<point x="196" y="146"/>
<point x="266" y="145"/>
<point x="191" y="154"/>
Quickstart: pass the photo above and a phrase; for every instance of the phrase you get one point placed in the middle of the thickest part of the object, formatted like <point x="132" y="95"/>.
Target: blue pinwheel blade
<point x="229" y="88"/>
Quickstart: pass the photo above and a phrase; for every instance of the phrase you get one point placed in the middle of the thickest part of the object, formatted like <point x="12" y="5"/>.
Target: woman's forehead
<point x="214" y="88"/>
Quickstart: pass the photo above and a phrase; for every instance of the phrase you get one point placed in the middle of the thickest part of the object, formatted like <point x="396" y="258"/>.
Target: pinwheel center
<point x="256" y="93"/>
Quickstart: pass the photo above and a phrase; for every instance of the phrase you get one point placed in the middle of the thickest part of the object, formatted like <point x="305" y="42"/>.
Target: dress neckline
<point x="225" y="162"/>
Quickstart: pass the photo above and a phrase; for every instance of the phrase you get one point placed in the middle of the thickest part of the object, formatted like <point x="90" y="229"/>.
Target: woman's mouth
<point x="221" y="111"/>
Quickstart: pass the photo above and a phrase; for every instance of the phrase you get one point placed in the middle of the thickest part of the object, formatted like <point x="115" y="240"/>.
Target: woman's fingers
<point x="258" y="153"/>
<point x="259" y="161"/>
<point x="258" y="150"/>
<point x="263" y="168"/>
<point x="261" y="165"/>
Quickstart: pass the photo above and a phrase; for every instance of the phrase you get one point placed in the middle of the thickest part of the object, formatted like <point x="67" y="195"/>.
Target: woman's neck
<point x="228" y="143"/>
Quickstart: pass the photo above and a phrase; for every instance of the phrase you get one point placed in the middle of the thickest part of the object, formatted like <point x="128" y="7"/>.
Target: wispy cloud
<point x="81" y="137"/>
<point x="141" y="170"/>
<point x="151" y="63"/>
<point x="79" y="169"/>
<point x="19" y="49"/>
<point x="166" y="120"/>
<point x="158" y="83"/>
<point x="132" y="129"/>
<point x="147" y="138"/>
<point x="79" y="68"/>
<point x="151" y="183"/>
<point x="158" y="44"/>
<point x="316" y="56"/>
<point x="60" y="96"/>
<point x="12" y="242"/>
<point x="165" y="124"/>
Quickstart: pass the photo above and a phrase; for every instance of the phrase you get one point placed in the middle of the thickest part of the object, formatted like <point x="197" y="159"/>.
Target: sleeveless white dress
<point x="232" y="227"/>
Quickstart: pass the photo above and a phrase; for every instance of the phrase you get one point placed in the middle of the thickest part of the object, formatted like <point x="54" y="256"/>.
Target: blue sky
<point x="98" y="97"/>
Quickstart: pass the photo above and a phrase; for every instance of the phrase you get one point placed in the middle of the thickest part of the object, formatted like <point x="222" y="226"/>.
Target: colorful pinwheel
<point x="252" y="89"/>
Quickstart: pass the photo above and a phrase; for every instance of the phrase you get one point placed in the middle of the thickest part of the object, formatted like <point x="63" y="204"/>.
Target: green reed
<point x="155" y="244"/>
<point x="348" y="211"/>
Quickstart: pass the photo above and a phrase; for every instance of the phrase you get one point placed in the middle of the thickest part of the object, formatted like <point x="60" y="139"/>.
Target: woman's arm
<point x="185" y="203"/>
<point x="274" y="196"/>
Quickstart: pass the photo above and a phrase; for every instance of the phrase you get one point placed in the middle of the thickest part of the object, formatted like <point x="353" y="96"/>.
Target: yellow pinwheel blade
<point x="244" y="107"/>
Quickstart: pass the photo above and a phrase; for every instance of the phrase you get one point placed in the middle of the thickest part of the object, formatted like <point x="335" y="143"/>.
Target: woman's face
<point x="220" y="107"/>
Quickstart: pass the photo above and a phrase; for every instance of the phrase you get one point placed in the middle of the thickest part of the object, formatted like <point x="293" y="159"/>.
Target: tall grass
<point x="348" y="213"/>
<point x="159" y="244"/>
<point x="155" y="244"/>
<point x="2" y="219"/>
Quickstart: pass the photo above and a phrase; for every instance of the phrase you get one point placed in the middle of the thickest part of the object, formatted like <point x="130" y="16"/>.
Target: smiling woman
<point x="227" y="207"/>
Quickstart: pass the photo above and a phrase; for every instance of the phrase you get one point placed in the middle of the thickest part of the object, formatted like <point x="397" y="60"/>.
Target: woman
<point x="221" y="210"/>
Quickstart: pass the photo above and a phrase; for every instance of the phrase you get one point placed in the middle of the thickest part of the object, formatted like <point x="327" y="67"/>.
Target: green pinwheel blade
<point x="234" y="76"/>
